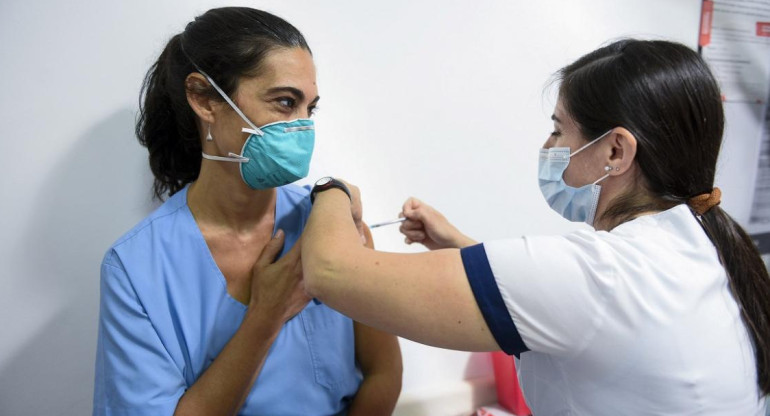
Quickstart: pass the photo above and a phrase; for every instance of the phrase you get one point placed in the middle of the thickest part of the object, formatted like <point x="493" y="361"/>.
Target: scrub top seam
<point x="147" y="315"/>
<point x="131" y="408"/>
<point x="143" y="225"/>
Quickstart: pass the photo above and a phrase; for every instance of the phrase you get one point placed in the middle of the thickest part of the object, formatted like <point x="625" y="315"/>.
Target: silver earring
<point x="617" y="168"/>
<point x="208" y="135"/>
<point x="607" y="168"/>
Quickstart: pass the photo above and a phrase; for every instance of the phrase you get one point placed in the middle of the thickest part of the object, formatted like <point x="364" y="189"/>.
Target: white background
<point x="444" y="100"/>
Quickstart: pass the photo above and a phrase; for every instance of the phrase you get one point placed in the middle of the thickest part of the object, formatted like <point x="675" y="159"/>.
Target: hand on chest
<point x="235" y="255"/>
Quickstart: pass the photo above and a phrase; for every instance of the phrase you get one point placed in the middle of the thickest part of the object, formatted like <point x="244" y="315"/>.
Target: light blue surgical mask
<point x="273" y="155"/>
<point x="574" y="204"/>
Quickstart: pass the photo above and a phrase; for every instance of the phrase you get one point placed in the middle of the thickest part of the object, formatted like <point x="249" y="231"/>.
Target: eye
<point x="287" y="102"/>
<point x="555" y="133"/>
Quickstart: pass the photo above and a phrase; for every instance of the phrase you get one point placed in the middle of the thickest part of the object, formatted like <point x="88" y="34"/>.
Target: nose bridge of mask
<point x="555" y="163"/>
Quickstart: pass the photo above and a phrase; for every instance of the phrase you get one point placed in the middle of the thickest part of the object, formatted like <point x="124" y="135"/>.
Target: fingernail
<point x="278" y="233"/>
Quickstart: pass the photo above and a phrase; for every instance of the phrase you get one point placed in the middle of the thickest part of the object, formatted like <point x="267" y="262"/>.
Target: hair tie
<point x="704" y="202"/>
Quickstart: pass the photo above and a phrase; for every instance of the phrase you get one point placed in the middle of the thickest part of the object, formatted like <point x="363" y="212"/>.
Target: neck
<point x="617" y="206"/>
<point x="611" y="223"/>
<point x="220" y="197"/>
<point x="624" y="198"/>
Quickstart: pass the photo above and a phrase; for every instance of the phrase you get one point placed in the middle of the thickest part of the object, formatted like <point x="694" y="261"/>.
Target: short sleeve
<point x="135" y="375"/>
<point x="544" y="294"/>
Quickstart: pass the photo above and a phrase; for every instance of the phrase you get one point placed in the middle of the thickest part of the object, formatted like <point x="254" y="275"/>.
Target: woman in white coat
<point x="664" y="308"/>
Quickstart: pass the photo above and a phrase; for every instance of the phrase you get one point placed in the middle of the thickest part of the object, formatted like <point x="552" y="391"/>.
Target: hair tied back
<point x="702" y="203"/>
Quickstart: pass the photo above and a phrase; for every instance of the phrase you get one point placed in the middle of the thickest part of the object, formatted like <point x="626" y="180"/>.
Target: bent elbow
<point x="317" y="271"/>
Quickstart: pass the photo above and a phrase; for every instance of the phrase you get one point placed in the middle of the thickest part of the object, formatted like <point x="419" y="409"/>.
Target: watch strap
<point x="331" y="183"/>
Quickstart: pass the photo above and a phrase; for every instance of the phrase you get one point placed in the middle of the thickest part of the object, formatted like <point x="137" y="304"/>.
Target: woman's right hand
<point x="277" y="289"/>
<point x="430" y="228"/>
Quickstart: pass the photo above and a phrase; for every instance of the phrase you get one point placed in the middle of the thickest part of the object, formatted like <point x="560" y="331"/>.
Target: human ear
<point x="623" y="144"/>
<point x="196" y="87"/>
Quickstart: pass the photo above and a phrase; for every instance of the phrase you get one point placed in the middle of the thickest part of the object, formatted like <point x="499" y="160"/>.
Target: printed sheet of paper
<point x="737" y="47"/>
<point x="735" y="41"/>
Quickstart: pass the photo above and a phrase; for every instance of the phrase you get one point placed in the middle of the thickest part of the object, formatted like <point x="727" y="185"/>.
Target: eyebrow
<point x="554" y="118"/>
<point x="295" y="91"/>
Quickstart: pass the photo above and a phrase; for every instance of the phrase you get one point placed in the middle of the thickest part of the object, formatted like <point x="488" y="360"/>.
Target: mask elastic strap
<point x="232" y="157"/>
<point x="590" y="143"/>
<point x="256" y="129"/>
<point x="601" y="179"/>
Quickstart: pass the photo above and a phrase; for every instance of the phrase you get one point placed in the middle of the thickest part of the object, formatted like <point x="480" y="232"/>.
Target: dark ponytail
<point x="667" y="97"/>
<point x="749" y="283"/>
<point x="166" y="125"/>
<point x="228" y="43"/>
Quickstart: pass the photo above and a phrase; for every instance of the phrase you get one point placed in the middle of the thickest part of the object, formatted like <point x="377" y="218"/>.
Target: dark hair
<point x="227" y="43"/>
<point x="666" y="96"/>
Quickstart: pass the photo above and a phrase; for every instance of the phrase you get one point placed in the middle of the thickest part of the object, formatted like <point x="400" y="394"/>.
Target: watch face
<point x="324" y="181"/>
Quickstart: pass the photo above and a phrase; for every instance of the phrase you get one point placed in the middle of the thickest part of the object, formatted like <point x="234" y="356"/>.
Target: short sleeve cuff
<point x="490" y="301"/>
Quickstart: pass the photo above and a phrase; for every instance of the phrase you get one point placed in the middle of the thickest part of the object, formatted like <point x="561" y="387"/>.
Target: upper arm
<point x="425" y="297"/>
<point x="134" y="371"/>
<point x="376" y="351"/>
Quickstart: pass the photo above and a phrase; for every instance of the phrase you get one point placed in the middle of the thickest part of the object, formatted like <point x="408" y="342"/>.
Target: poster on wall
<point x="735" y="41"/>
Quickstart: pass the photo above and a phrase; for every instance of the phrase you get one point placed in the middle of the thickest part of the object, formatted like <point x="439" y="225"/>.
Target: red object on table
<point x="509" y="394"/>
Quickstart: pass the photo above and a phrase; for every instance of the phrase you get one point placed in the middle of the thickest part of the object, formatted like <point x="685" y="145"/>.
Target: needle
<point x="380" y="224"/>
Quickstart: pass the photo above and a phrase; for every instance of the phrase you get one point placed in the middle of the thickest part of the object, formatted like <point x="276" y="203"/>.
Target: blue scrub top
<point x="165" y="315"/>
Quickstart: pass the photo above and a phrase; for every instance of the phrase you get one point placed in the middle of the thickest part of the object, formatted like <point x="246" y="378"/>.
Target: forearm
<point x="224" y="386"/>
<point x="377" y="395"/>
<point x="463" y="241"/>
<point x="379" y="357"/>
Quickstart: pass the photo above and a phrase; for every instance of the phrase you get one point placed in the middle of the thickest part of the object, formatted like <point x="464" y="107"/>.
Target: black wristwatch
<point x="327" y="183"/>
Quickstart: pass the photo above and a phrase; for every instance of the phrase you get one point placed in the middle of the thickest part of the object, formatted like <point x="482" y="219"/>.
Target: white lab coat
<point x="636" y="321"/>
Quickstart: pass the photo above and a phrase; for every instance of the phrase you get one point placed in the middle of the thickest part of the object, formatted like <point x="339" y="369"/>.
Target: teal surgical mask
<point x="273" y="155"/>
<point x="574" y="204"/>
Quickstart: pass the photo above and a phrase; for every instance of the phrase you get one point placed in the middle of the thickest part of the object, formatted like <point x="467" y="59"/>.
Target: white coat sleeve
<point x="545" y="294"/>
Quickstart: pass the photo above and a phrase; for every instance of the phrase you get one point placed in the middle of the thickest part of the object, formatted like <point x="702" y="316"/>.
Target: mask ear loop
<point x="254" y="129"/>
<point x="231" y="157"/>
<point x="607" y="169"/>
<point x="590" y="143"/>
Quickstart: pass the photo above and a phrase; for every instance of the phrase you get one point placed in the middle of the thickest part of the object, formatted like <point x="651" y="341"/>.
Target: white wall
<point x="438" y="99"/>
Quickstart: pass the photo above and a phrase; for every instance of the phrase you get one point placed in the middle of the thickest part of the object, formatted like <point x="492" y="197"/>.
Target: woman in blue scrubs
<point x="202" y="303"/>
